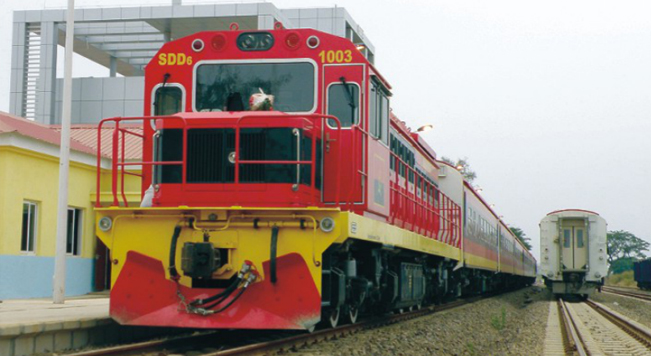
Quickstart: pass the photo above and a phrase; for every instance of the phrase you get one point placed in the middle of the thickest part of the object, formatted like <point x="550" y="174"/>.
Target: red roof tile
<point x="10" y="123"/>
<point x="87" y="135"/>
<point x="83" y="137"/>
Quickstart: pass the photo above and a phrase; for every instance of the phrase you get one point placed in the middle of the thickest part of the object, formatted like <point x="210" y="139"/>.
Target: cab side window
<point x="379" y="112"/>
<point x="343" y="102"/>
<point x="168" y="100"/>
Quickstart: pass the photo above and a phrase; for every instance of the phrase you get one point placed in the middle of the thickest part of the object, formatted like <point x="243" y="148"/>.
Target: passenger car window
<point x="579" y="238"/>
<point x="566" y="238"/>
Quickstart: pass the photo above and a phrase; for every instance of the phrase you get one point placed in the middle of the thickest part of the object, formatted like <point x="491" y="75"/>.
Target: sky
<point x="550" y="101"/>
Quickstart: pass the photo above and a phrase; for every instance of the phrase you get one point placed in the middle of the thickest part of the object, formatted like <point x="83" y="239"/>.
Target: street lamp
<point x="425" y="128"/>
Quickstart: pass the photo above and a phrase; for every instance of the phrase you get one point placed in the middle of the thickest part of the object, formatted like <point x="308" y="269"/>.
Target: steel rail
<point x="631" y="293"/>
<point x="283" y="343"/>
<point x="574" y="344"/>
<point x="298" y="341"/>
<point x="636" y="332"/>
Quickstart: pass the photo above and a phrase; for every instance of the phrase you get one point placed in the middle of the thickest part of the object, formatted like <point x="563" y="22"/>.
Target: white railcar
<point x="573" y="251"/>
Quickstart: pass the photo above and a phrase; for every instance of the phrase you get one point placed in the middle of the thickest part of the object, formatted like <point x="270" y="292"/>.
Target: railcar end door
<point x="574" y="245"/>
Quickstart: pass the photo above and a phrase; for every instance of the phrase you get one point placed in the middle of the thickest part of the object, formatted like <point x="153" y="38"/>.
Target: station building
<point x="122" y="40"/>
<point x="29" y="171"/>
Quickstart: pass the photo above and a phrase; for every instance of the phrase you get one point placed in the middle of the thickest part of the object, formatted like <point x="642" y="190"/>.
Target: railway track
<point x="589" y="329"/>
<point x="223" y="343"/>
<point x="627" y="293"/>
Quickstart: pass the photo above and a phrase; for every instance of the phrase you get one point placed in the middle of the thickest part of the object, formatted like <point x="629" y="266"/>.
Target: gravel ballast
<point x="635" y="309"/>
<point x="510" y="324"/>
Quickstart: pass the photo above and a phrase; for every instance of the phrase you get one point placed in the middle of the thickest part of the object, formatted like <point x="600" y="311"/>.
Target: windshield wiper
<point x="166" y="76"/>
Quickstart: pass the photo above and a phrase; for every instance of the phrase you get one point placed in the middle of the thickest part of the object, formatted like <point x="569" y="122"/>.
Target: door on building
<point x="574" y="242"/>
<point x="102" y="267"/>
<point x="343" y="88"/>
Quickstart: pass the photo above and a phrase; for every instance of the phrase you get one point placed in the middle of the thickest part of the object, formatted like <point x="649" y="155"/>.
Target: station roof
<point x="133" y="35"/>
<point x="83" y="137"/>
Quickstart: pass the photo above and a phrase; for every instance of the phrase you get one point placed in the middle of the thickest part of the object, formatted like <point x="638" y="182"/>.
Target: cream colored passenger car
<point x="573" y="251"/>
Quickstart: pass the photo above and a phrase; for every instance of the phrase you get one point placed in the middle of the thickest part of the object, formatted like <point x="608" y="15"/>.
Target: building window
<point x="73" y="241"/>
<point x="29" y="227"/>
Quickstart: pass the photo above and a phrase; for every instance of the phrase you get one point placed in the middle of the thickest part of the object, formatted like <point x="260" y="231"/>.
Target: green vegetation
<point x="520" y="235"/>
<point x="622" y="265"/>
<point x="499" y="323"/>
<point x="624" y="279"/>
<point x="623" y="249"/>
<point x="471" y="348"/>
<point x="462" y="166"/>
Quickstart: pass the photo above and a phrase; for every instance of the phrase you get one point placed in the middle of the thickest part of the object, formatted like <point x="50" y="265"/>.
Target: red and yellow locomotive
<point x="278" y="191"/>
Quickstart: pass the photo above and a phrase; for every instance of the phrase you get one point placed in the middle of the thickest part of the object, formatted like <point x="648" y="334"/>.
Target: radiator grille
<point x="209" y="150"/>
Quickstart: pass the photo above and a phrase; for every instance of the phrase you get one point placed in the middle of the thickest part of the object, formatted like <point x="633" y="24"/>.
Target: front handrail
<point x="119" y="163"/>
<point x="118" y="159"/>
<point x="306" y="117"/>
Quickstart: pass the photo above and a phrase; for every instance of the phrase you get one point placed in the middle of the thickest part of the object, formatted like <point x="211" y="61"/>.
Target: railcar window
<point x="227" y="87"/>
<point x="579" y="238"/>
<point x="566" y="238"/>
<point x="384" y="117"/>
<point x="339" y="104"/>
<point x="379" y="112"/>
<point x="168" y="100"/>
<point x="372" y="112"/>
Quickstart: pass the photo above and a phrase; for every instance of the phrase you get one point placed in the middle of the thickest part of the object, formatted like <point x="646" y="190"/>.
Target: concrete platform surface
<point x="22" y="312"/>
<point x="38" y="326"/>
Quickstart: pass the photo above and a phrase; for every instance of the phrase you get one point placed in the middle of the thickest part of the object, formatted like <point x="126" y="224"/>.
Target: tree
<point x="624" y="246"/>
<point x="463" y="167"/>
<point x="521" y="236"/>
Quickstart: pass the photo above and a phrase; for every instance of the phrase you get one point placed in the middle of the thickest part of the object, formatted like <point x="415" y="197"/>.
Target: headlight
<point x="327" y="224"/>
<point x="105" y="224"/>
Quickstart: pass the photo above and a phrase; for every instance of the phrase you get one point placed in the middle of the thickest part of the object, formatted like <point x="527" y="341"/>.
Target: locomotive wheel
<point x="353" y="313"/>
<point x="333" y="317"/>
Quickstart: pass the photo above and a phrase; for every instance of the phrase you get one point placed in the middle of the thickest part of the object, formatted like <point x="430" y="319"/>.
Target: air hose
<point x="223" y="294"/>
<point x="172" y="265"/>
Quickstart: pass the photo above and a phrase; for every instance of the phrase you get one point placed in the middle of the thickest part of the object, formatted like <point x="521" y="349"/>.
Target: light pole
<point x="59" y="280"/>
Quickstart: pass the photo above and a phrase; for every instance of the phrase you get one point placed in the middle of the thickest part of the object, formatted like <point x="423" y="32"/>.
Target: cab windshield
<point x="228" y="86"/>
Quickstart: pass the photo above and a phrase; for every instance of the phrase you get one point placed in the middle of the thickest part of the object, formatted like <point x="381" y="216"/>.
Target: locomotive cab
<point x="215" y="146"/>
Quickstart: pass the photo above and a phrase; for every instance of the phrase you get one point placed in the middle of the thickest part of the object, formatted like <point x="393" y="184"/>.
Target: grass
<point x="471" y="348"/>
<point x="499" y="323"/>
<point x="624" y="279"/>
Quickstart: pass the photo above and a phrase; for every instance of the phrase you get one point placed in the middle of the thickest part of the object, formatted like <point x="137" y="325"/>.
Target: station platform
<point x="38" y="326"/>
